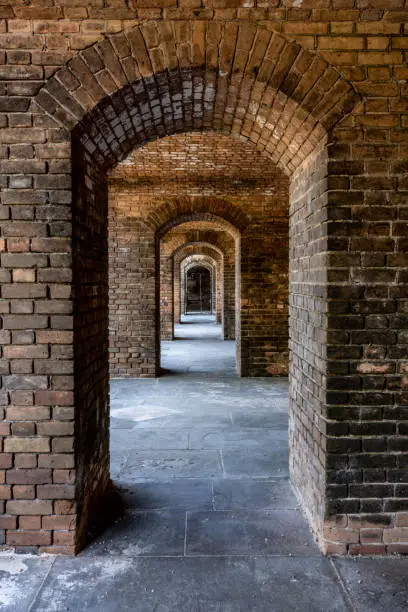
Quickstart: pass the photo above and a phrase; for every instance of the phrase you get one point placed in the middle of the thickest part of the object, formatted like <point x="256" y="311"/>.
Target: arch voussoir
<point x="256" y="86"/>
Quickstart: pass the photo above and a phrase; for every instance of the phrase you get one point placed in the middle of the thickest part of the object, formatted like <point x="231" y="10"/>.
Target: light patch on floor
<point x="143" y="413"/>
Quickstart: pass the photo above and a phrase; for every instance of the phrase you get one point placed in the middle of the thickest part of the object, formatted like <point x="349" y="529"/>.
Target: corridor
<point x="211" y="523"/>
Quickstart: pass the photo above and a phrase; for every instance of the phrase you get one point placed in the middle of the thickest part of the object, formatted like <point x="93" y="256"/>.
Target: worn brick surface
<point x="321" y="90"/>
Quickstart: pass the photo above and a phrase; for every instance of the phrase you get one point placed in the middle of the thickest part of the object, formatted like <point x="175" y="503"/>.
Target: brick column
<point x="132" y="294"/>
<point x="308" y="334"/>
<point x="263" y="298"/>
<point x="229" y="299"/>
<point x="166" y="298"/>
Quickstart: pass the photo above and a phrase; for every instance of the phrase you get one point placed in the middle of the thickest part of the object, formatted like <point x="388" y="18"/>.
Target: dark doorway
<point x="198" y="290"/>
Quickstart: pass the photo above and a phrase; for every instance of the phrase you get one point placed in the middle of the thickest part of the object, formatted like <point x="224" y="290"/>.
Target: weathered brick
<point x="22" y="507"/>
<point x="26" y="476"/>
<point x="28" y="538"/>
<point x="56" y="491"/>
<point x="27" y="445"/>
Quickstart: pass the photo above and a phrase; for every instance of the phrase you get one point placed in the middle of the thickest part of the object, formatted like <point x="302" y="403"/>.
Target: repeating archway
<point x="171" y="254"/>
<point x="199" y="252"/>
<point x="200" y="263"/>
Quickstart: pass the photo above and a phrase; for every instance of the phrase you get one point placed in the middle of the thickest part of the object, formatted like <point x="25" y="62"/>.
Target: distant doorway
<point x="199" y="294"/>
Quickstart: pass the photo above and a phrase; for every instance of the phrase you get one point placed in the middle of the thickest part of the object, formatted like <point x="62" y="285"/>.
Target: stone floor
<point x="212" y="524"/>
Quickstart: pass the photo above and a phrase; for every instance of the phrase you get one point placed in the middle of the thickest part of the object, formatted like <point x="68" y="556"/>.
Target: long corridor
<point x="200" y="457"/>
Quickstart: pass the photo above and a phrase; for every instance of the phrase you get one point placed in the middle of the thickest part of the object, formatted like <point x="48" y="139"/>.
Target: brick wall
<point x="282" y="77"/>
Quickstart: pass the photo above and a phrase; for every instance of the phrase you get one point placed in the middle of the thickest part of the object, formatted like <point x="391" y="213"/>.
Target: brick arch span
<point x="179" y="252"/>
<point x="220" y="214"/>
<point x="156" y="79"/>
<point x="220" y="255"/>
<point x="216" y="269"/>
<point x="199" y="260"/>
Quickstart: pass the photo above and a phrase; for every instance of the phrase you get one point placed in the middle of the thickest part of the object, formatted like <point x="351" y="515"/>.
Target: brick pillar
<point x="348" y="399"/>
<point x="166" y="298"/>
<point x="217" y="275"/>
<point x="134" y="351"/>
<point x="38" y="488"/>
<point x="263" y="298"/>
<point x="177" y="292"/>
<point x="308" y="334"/>
<point x="229" y="299"/>
<point x="364" y="429"/>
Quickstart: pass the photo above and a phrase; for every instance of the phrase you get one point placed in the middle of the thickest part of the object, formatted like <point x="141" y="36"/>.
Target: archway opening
<point x="134" y="92"/>
<point x="199" y="296"/>
<point x="203" y="239"/>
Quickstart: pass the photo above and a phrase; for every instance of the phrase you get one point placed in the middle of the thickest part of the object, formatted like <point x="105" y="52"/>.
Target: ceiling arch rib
<point x="156" y="79"/>
<point x="197" y="245"/>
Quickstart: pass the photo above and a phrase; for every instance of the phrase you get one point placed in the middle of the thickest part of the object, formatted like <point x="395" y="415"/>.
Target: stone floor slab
<point x="184" y="494"/>
<point x="376" y="585"/>
<point x="162" y="465"/>
<point x="253" y="494"/>
<point x="268" y="532"/>
<point x="21" y="577"/>
<point x="150" y="533"/>
<point x="215" y="584"/>
<point x="256" y="464"/>
<point x="237" y="438"/>
<point x="150" y="438"/>
<point x="273" y="419"/>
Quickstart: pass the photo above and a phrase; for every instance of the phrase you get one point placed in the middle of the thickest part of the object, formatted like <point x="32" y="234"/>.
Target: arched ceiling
<point x="157" y="79"/>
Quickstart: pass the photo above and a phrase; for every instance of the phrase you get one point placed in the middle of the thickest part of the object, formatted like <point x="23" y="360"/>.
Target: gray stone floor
<point x="212" y="524"/>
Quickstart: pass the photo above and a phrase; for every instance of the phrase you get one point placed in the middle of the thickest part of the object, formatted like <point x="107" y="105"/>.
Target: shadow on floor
<point x="212" y="524"/>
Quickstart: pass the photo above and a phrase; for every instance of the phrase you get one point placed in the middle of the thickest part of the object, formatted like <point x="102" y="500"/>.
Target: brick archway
<point x="198" y="263"/>
<point x="280" y="96"/>
<point x="148" y="83"/>
<point x="196" y="227"/>
<point x="201" y="251"/>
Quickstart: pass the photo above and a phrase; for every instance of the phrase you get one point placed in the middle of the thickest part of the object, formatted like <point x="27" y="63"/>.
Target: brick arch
<point x="199" y="260"/>
<point x="221" y="214"/>
<point x="215" y="269"/>
<point x="190" y="254"/>
<point x="197" y="244"/>
<point x="154" y="80"/>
